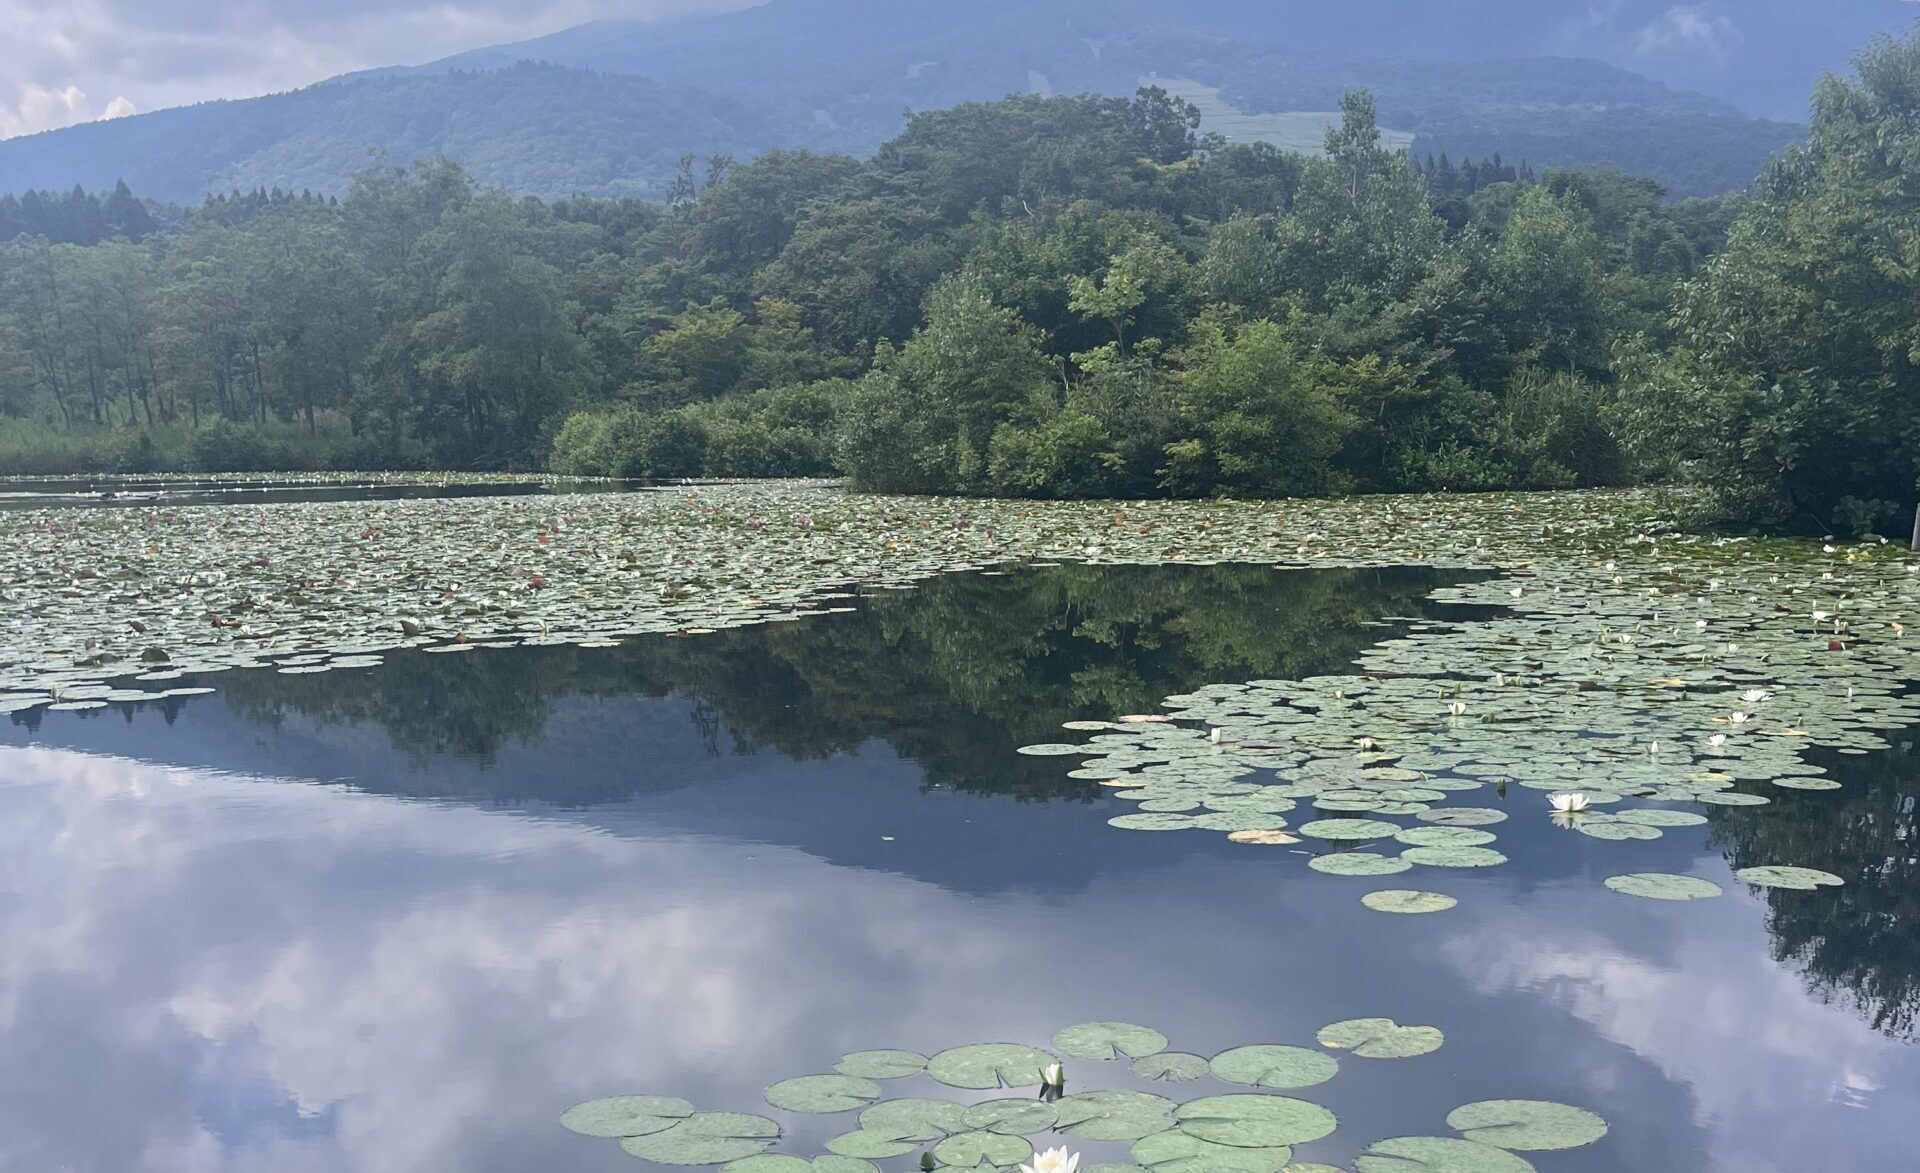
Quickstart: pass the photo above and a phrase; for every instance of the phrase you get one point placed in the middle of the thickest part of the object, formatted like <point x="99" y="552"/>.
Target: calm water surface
<point x="399" y="919"/>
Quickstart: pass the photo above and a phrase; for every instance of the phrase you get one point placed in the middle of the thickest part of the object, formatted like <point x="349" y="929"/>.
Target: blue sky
<point x="73" y="60"/>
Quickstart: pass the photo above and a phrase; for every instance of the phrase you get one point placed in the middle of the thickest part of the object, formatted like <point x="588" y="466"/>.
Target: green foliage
<point x="1046" y="297"/>
<point x="1800" y="349"/>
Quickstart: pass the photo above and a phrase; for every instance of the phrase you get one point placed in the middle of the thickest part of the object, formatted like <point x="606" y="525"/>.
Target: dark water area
<point x="124" y="492"/>
<point x="401" y="918"/>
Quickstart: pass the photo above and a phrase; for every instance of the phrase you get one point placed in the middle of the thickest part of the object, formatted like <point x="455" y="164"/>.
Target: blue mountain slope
<point x="1466" y="76"/>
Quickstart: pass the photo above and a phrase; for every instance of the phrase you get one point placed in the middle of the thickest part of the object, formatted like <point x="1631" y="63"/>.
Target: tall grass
<point x="34" y="448"/>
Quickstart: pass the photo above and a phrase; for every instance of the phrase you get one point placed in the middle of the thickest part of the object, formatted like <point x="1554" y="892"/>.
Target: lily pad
<point x="968" y="1149"/>
<point x="1445" y="837"/>
<point x="1114" y="1115"/>
<point x="1109" y="1040"/>
<point x="1406" y="900"/>
<point x="1608" y="827"/>
<point x="1182" y="1152"/>
<point x="1454" y="857"/>
<point x="1799" y="879"/>
<point x="1655" y="817"/>
<point x="1663" y="886"/>
<point x="1014" y="1117"/>
<point x="1358" y="863"/>
<point x="705" y="1138"/>
<point x="989" y="1065"/>
<point x="866" y="1144"/>
<point x="1380" y="1038"/>
<point x="1463" y="816"/>
<point x="1274" y="1066"/>
<point x="881" y="1064"/>
<point x="823" y="1094"/>
<point x="913" y="1119"/>
<point x="1171" y="1066"/>
<point x="1438" y="1154"/>
<point x="1254" y="1121"/>
<point x="769" y="1163"/>
<point x="620" y="1116"/>
<point x="1349" y="829"/>
<point x="1527" y="1124"/>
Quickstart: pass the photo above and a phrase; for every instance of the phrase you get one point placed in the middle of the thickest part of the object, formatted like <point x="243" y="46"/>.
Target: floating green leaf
<point x="620" y="1116"/>
<point x="1438" y="1154"/>
<point x="1015" y="1117"/>
<point x="1463" y="816"/>
<point x="913" y="1119"/>
<point x="989" y="1065"/>
<point x="1182" y="1152"/>
<point x="1527" y="1124"/>
<point x="1358" y="863"/>
<point x="823" y="1094"/>
<point x="866" y="1144"/>
<point x="1663" y="886"/>
<point x="968" y="1149"/>
<point x="1254" y="1121"/>
<point x="1405" y="900"/>
<point x="1454" y="857"/>
<point x="1801" y="879"/>
<point x="1274" y="1066"/>
<point x="705" y="1138"/>
<point x="881" y="1064"/>
<point x="1171" y="1066"/>
<point x="1380" y="1038"/>
<point x="1113" y="1115"/>
<point x="1445" y="837"/>
<point x="769" y="1163"/>
<point x="1109" y="1040"/>
<point x="1349" y="829"/>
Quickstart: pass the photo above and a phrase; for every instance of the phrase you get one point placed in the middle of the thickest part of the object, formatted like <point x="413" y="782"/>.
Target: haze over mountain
<point x="616" y="104"/>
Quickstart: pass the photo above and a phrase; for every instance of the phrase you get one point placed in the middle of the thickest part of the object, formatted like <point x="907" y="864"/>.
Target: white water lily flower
<point x="1217" y="736"/>
<point x="1736" y="718"/>
<point x="1457" y="709"/>
<point x="1717" y="740"/>
<point x="1568" y="803"/>
<point x="1821" y="616"/>
<point x="1754" y="696"/>
<point x="1516" y="592"/>
<point x="1054" y="1075"/>
<point x="1053" y="1161"/>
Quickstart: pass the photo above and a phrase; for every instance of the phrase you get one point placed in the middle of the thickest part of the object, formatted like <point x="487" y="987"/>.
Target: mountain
<point x="613" y="106"/>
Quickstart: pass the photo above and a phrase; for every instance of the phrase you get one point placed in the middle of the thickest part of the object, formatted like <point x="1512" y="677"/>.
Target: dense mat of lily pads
<point x="984" y="1129"/>
<point x="1630" y="669"/>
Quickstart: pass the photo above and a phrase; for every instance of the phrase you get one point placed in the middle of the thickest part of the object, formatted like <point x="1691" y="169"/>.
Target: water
<point x="400" y="919"/>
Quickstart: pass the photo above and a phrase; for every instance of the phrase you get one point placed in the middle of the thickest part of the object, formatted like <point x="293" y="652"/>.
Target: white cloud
<point x="1690" y="28"/>
<point x="37" y="108"/>
<point x="156" y="53"/>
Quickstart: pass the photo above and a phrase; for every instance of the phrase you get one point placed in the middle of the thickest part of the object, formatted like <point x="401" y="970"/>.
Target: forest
<point x="1041" y="296"/>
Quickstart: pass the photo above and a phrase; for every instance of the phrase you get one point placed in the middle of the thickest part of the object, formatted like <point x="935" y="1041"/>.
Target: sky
<point x="70" y="61"/>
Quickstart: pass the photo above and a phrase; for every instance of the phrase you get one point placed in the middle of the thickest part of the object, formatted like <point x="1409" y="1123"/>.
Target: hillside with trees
<point x="609" y="109"/>
<point x="1038" y="296"/>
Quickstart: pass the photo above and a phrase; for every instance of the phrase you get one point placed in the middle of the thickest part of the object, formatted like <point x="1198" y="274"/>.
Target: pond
<point x="405" y="915"/>
<point x="402" y="918"/>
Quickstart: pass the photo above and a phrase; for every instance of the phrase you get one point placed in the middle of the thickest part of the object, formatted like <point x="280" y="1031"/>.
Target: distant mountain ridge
<point x="612" y="106"/>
